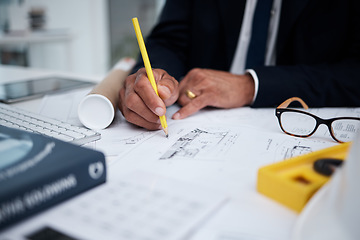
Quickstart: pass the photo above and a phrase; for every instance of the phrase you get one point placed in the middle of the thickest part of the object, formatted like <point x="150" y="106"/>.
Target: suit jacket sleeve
<point x="319" y="59"/>
<point x="167" y="44"/>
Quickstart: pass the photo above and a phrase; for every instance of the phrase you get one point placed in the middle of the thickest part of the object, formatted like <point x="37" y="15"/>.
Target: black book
<point x="37" y="172"/>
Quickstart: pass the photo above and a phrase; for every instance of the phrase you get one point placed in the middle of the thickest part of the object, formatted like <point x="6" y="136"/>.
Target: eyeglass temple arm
<point x="287" y="102"/>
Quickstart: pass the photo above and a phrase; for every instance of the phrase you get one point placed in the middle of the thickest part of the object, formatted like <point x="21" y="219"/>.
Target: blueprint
<point x="217" y="149"/>
<point x="200" y="143"/>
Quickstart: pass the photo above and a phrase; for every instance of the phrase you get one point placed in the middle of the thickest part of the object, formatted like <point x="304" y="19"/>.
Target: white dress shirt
<point x="239" y="61"/>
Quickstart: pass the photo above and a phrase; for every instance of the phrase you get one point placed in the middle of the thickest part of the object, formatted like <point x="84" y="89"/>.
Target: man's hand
<point x="139" y="103"/>
<point x="214" y="88"/>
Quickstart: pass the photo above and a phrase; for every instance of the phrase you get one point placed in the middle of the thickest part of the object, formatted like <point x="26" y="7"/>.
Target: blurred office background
<point x="81" y="36"/>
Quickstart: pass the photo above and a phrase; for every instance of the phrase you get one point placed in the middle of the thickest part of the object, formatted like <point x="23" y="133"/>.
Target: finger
<point x="169" y="94"/>
<point x="194" y="85"/>
<point x="184" y="98"/>
<point x="192" y="107"/>
<point x="136" y="119"/>
<point x="130" y="103"/>
<point x="135" y="104"/>
<point x="145" y="91"/>
<point x="168" y="87"/>
<point x="196" y="79"/>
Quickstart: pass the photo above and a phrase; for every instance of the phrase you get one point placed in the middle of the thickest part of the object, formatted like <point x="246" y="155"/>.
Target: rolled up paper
<point x="97" y="110"/>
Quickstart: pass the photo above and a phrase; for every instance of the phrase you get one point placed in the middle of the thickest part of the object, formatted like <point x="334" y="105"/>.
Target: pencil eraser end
<point x="96" y="112"/>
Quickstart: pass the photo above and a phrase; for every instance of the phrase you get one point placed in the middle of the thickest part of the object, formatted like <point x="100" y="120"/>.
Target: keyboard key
<point x="32" y="122"/>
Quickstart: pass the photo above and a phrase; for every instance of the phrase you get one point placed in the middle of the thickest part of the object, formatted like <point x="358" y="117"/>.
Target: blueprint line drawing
<point x="296" y="150"/>
<point x="294" y="147"/>
<point x="132" y="139"/>
<point x="200" y="144"/>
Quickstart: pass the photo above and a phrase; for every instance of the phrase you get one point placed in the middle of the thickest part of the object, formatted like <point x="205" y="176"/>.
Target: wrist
<point x="255" y="80"/>
<point x="249" y="89"/>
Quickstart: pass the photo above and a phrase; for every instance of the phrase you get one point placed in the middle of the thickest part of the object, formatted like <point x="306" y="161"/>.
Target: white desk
<point x="255" y="140"/>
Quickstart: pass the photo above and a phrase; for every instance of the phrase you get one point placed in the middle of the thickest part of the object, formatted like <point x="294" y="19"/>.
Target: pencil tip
<point x="166" y="132"/>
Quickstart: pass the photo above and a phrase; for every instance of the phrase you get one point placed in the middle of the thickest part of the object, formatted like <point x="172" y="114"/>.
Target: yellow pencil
<point x="148" y="68"/>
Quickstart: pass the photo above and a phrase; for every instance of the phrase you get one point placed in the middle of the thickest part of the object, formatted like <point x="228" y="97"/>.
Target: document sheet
<point x="137" y="206"/>
<point x="216" y="151"/>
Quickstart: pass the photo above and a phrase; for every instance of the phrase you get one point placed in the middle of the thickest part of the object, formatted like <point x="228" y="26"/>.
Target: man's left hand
<point x="213" y="88"/>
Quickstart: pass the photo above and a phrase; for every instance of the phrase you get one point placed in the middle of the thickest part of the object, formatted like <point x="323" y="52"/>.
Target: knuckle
<point x="197" y="104"/>
<point x="129" y="80"/>
<point x="141" y="83"/>
<point x="152" y="102"/>
<point x="152" y="118"/>
<point x="131" y="101"/>
<point x="176" y="83"/>
<point x="140" y="71"/>
<point x="182" y="100"/>
<point x="128" y="115"/>
<point x="201" y="76"/>
<point x="170" y="83"/>
<point x="159" y="73"/>
<point x="210" y="85"/>
<point x="195" y="71"/>
<point x="152" y="126"/>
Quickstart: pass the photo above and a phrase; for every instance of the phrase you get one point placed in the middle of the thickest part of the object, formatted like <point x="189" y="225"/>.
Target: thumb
<point x="168" y="87"/>
<point x="168" y="95"/>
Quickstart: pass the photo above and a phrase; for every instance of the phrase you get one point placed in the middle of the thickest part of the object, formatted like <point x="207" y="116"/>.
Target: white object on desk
<point x="96" y="111"/>
<point x="334" y="211"/>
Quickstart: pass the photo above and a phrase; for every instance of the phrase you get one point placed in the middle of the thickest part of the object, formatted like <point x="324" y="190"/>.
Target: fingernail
<point x="176" y="116"/>
<point x="159" y="111"/>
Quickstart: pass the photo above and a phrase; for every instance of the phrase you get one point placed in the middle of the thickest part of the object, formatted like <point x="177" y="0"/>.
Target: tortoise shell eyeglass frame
<point x="283" y="108"/>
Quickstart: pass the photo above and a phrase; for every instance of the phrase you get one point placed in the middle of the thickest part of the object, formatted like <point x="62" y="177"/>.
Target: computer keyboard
<point x="18" y="118"/>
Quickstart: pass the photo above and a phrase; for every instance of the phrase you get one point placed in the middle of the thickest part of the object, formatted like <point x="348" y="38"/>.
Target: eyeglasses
<point x="303" y="124"/>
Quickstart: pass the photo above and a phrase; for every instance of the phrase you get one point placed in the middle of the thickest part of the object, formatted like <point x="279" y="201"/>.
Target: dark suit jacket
<point x="317" y="48"/>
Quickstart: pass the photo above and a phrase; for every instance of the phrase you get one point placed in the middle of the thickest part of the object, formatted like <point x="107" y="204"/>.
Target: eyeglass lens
<point x="297" y="123"/>
<point x="300" y="124"/>
<point x="345" y="130"/>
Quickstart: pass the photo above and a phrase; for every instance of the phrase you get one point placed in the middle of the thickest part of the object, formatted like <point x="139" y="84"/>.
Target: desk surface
<point x="250" y="138"/>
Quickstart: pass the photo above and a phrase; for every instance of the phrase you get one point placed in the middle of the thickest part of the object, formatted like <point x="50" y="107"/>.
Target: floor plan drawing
<point x="132" y="139"/>
<point x="294" y="147"/>
<point x="200" y="143"/>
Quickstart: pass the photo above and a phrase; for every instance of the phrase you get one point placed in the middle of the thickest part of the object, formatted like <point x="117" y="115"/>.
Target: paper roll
<point x="97" y="110"/>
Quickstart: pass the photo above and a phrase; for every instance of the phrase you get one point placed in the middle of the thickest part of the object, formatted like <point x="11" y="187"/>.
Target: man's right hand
<point x="138" y="101"/>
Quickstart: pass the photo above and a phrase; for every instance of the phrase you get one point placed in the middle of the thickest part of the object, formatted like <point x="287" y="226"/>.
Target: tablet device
<point x="33" y="88"/>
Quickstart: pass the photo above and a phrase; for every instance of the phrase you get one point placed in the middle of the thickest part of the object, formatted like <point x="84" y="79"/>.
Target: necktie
<point x="257" y="47"/>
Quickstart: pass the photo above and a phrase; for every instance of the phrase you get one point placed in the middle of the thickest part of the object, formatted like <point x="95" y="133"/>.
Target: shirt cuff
<point x="256" y="82"/>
